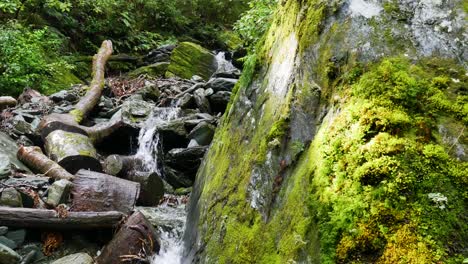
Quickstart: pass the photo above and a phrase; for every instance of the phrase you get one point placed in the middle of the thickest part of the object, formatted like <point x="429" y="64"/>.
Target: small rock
<point x="232" y="74"/>
<point x="176" y="178"/>
<point x="17" y="236"/>
<point x="201" y="100"/>
<point x="11" y="197"/>
<point x="221" y="84"/>
<point x="8" y="242"/>
<point x="78" y="258"/>
<point x="63" y="96"/>
<point x="203" y="133"/>
<point x="5" y="168"/>
<point x="3" y="230"/>
<point x="150" y="92"/>
<point x="8" y="256"/>
<point x="186" y="102"/>
<point x="209" y="92"/>
<point x="196" y="78"/>
<point x="59" y="192"/>
<point x="193" y="143"/>
<point x="219" y="101"/>
<point x="185" y="159"/>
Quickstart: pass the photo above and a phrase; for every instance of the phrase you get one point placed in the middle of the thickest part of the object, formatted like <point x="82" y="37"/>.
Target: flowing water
<point x="223" y="64"/>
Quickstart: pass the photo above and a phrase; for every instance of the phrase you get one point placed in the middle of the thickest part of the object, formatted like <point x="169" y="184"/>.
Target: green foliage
<point x="29" y="58"/>
<point x="254" y="23"/>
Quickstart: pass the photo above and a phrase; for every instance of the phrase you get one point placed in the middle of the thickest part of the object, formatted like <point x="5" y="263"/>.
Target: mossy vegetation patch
<point x="190" y="59"/>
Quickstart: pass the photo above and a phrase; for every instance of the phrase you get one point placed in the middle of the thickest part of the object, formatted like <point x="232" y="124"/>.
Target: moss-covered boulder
<point x="154" y="70"/>
<point x="339" y="144"/>
<point x="190" y="59"/>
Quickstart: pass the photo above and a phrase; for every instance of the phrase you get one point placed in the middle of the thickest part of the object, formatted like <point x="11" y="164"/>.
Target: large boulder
<point x="190" y="59"/>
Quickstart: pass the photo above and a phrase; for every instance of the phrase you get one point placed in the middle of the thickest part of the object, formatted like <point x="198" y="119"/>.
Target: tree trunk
<point x="134" y="242"/>
<point x="72" y="151"/>
<point x="130" y="168"/>
<point x="7" y="101"/>
<point x="97" y="192"/>
<point x="50" y="219"/>
<point x="37" y="161"/>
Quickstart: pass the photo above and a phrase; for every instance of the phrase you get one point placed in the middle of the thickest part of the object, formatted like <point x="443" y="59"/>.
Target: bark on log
<point x="130" y="168"/>
<point x="97" y="192"/>
<point x="7" y="101"/>
<point x="91" y="99"/>
<point x="135" y="240"/>
<point x="50" y="219"/>
<point x="72" y="151"/>
<point x="37" y="161"/>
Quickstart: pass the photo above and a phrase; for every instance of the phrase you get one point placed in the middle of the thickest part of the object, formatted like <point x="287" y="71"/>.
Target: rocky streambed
<point x="154" y="129"/>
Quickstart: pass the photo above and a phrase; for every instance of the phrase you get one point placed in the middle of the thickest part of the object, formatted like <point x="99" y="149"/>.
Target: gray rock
<point x="5" y="168"/>
<point x="33" y="181"/>
<point x="8" y="242"/>
<point x="135" y="112"/>
<point x="185" y="159"/>
<point x="63" y="96"/>
<point x="202" y="102"/>
<point x="59" y="192"/>
<point x="3" y="230"/>
<point x="78" y="258"/>
<point x="232" y="74"/>
<point x="9" y="148"/>
<point x="17" y="236"/>
<point x="173" y="134"/>
<point x="193" y="143"/>
<point x="186" y="101"/>
<point x="150" y="92"/>
<point x="221" y="84"/>
<point x="8" y="256"/>
<point x="209" y="92"/>
<point x="176" y="178"/>
<point x="11" y="197"/>
<point x="220" y="100"/>
<point x="196" y="78"/>
<point x="203" y="133"/>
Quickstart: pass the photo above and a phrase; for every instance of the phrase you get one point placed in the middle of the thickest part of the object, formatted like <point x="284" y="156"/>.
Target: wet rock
<point x="221" y="84"/>
<point x="5" y="168"/>
<point x="3" y="230"/>
<point x="185" y="159"/>
<point x="8" y="242"/>
<point x="202" y="102"/>
<point x="63" y="95"/>
<point x="176" y="178"/>
<point x="9" y="148"/>
<point x="78" y="258"/>
<point x="135" y="112"/>
<point x="8" y="256"/>
<point x="190" y="59"/>
<point x="173" y="135"/>
<point x="18" y="236"/>
<point x="11" y="197"/>
<point x="232" y="74"/>
<point x="186" y="102"/>
<point x="154" y="70"/>
<point x="58" y="192"/>
<point x="203" y="133"/>
<point x="219" y="101"/>
<point x="193" y="143"/>
<point x="209" y="92"/>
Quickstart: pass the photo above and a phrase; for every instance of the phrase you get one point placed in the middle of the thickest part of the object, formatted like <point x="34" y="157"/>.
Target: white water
<point x="223" y="64"/>
<point x="148" y="138"/>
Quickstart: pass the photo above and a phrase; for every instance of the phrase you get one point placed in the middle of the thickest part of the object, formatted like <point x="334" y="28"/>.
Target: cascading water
<point x="223" y="64"/>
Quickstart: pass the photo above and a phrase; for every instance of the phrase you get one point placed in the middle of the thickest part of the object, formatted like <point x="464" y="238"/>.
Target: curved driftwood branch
<point x="37" y="161"/>
<point x="91" y="99"/>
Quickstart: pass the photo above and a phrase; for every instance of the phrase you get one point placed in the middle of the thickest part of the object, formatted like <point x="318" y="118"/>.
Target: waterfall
<point x="223" y="64"/>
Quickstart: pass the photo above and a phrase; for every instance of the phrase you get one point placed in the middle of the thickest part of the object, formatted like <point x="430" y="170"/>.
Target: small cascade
<point x="223" y="64"/>
<point x="148" y="139"/>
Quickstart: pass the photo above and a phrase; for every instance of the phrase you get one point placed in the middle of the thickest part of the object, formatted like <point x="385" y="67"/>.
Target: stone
<point x="202" y="133"/>
<point x="63" y="95"/>
<point x="221" y="84"/>
<point x="135" y="112"/>
<point x="189" y="59"/>
<point x="154" y="70"/>
<point x="219" y="101"/>
<point x="58" y="192"/>
<point x="185" y="159"/>
<point x="209" y="92"/>
<point x="150" y="92"/>
<point x="177" y="179"/>
<point x="173" y="134"/>
<point x="193" y="143"/>
<point x="186" y="101"/>
<point x="18" y="236"/>
<point x="3" y="230"/>
<point x="78" y="258"/>
<point x="196" y="78"/>
<point x="202" y="102"/>
<point x="11" y="197"/>
<point x="9" y="148"/>
<point x="232" y="74"/>
<point x="5" y="168"/>
<point x="8" y="242"/>
<point x="8" y="256"/>
<point x="32" y="181"/>
<point x="7" y="101"/>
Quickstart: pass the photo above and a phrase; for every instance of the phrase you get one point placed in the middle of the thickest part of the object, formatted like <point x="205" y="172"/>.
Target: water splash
<point x="223" y="64"/>
<point x="148" y="139"/>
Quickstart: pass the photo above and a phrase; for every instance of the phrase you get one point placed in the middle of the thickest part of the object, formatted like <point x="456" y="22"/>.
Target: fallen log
<point x="98" y="192"/>
<point x="7" y="101"/>
<point x="135" y="241"/>
<point x="131" y="168"/>
<point x="72" y="151"/>
<point x="37" y="161"/>
<point x="50" y="219"/>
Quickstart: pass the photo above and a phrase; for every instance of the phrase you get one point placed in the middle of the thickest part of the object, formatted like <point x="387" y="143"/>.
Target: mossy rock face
<point x="190" y="59"/>
<point x="342" y="142"/>
<point x="153" y="70"/>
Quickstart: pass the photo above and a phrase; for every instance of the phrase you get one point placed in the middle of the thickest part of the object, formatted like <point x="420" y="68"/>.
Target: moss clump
<point x="190" y="59"/>
<point x="77" y="114"/>
<point x="153" y="70"/>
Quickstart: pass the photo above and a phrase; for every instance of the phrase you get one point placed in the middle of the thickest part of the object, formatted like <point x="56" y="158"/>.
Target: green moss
<point x="77" y="114"/>
<point x="190" y="59"/>
<point x="153" y="70"/>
